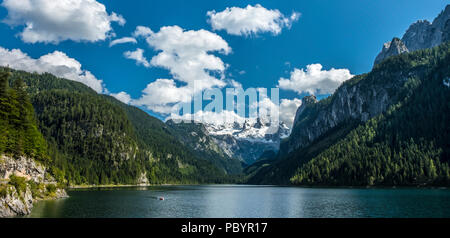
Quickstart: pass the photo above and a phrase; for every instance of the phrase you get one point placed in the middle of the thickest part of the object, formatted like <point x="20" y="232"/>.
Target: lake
<point x="235" y="201"/>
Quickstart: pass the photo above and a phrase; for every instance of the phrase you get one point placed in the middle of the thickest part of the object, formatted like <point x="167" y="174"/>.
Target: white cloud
<point x="142" y="31"/>
<point x="251" y="20"/>
<point x="57" y="63"/>
<point x="122" y="96"/>
<point x="122" y="40"/>
<point x="235" y="84"/>
<point x="51" y="21"/>
<point x="137" y="55"/>
<point x="214" y="118"/>
<point x="161" y="95"/>
<point x="288" y="109"/>
<point x="187" y="55"/>
<point x="114" y="17"/>
<point x="315" y="80"/>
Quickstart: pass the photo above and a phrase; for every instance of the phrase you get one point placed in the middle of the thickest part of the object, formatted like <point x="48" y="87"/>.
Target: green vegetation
<point x="95" y="139"/>
<point x="279" y="171"/>
<point x="194" y="135"/>
<point x="407" y="145"/>
<point x="42" y="190"/>
<point x="18" y="131"/>
<point x="19" y="183"/>
<point x="3" y="190"/>
<point x="50" y="189"/>
<point x="36" y="189"/>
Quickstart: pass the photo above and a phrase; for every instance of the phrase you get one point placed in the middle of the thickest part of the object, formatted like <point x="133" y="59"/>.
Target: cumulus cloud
<point x="114" y="17"/>
<point x="57" y="63"/>
<point x="122" y="96"/>
<point x="161" y="95"/>
<point x="51" y="21"/>
<point x="285" y="110"/>
<point x="188" y="57"/>
<point x="288" y="108"/>
<point x="251" y="20"/>
<point x="122" y="40"/>
<point x="235" y="84"/>
<point x="142" y="31"/>
<point x="138" y="56"/>
<point x="186" y="54"/>
<point x="314" y="80"/>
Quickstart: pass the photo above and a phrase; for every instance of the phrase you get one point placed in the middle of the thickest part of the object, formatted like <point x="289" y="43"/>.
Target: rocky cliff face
<point x="22" y="167"/>
<point x="196" y="138"/>
<point x="245" y="150"/>
<point x="357" y="100"/>
<point x="395" y="47"/>
<point x="420" y="35"/>
<point x="16" y="202"/>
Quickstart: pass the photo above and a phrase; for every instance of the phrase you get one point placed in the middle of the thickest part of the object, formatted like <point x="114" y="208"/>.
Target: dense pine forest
<point x="88" y="138"/>
<point x="18" y="130"/>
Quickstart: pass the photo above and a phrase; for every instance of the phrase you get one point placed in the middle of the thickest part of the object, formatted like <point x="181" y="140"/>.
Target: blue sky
<point x="336" y="34"/>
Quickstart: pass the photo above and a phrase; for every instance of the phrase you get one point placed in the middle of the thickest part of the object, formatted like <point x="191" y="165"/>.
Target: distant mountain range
<point x="247" y="140"/>
<point x="240" y="141"/>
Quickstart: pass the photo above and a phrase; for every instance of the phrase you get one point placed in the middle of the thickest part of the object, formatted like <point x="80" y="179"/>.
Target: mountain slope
<point x="246" y="139"/>
<point x="407" y="145"/>
<point x="95" y="139"/>
<point x="195" y="137"/>
<point x="320" y="126"/>
<point x="24" y="162"/>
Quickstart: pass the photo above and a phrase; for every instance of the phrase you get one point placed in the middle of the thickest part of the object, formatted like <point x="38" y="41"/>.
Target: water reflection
<point x="247" y="201"/>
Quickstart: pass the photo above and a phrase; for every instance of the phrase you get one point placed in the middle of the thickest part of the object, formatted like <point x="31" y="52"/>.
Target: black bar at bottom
<point x="226" y="227"/>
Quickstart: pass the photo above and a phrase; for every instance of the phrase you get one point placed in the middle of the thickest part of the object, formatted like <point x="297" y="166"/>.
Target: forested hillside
<point x="25" y="165"/>
<point x="196" y="138"/>
<point x="95" y="139"/>
<point x="19" y="134"/>
<point x="407" y="144"/>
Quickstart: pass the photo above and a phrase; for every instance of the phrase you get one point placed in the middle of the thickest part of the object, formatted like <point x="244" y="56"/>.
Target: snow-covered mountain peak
<point x="249" y="129"/>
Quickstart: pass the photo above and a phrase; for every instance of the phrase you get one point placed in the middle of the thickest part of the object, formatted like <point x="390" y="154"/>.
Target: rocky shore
<point x="23" y="181"/>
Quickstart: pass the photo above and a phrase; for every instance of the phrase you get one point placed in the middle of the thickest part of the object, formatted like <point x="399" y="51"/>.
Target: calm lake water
<point x="247" y="201"/>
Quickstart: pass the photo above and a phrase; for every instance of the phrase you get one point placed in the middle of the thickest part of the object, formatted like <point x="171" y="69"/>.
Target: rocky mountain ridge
<point x="420" y="35"/>
<point x="356" y="100"/>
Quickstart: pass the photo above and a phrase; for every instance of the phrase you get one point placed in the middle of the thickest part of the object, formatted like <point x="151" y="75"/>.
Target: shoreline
<point x="75" y="187"/>
<point x="124" y="185"/>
